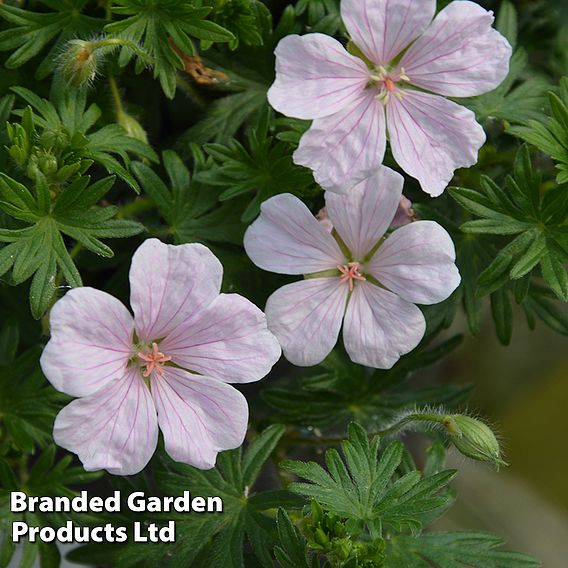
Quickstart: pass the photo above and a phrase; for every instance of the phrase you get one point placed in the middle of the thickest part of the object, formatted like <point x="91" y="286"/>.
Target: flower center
<point x="153" y="361"/>
<point x="350" y="273"/>
<point x="386" y="81"/>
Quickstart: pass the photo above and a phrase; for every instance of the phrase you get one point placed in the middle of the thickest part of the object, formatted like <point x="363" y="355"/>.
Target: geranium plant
<point x="231" y="231"/>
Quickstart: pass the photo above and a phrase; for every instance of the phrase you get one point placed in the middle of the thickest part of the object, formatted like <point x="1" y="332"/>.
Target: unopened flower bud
<point x="473" y="438"/>
<point x="132" y="126"/>
<point x="79" y="62"/>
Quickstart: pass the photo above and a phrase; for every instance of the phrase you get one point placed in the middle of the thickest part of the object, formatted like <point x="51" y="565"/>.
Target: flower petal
<point x="199" y="416"/>
<point x="431" y="137"/>
<point x="91" y="342"/>
<point x="417" y="262"/>
<point x="347" y="147"/>
<point x="115" y="429"/>
<point x="362" y="216"/>
<point x="315" y="76"/>
<point x="306" y="318"/>
<point x="288" y="239"/>
<point x="229" y="341"/>
<point x="382" y="29"/>
<point x="380" y="327"/>
<point x="460" y="54"/>
<point x="170" y="284"/>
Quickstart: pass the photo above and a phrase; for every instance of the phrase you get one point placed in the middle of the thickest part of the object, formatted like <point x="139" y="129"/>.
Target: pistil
<point x="350" y="273"/>
<point x="154" y="361"/>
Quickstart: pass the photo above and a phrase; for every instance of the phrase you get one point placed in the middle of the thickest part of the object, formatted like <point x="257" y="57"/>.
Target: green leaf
<point x="191" y="209"/>
<point x="217" y="537"/>
<point x="507" y="22"/>
<point x="521" y="96"/>
<point x="38" y="251"/>
<point x="451" y="550"/>
<point x="31" y="32"/>
<point x="264" y="168"/>
<point x="555" y="275"/>
<point x="339" y="391"/>
<point x="363" y="487"/>
<point x="259" y="451"/>
<point x="27" y="412"/>
<point x="291" y="551"/>
<point x="502" y="315"/>
<point x="66" y="129"/>
<point x="159" y="25"/>
<point x="550" y="135"/>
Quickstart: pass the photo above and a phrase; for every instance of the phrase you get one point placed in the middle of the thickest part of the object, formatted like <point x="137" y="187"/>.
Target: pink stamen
<point x="390" y="85"/>
<point x="154" y="361"/>
<point x="350" y="273"/>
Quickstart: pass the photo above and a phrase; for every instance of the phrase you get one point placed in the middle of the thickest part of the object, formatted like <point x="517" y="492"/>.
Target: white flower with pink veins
<point x="355" y="276"/>
<point x="169" y="366"/>
<point x="407" y="61"/>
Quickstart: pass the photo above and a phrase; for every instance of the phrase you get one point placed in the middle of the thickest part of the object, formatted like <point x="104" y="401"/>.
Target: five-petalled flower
<point x="407" y="64"/>
<point x="168" y="366"/>
<point x="353" y="275"/>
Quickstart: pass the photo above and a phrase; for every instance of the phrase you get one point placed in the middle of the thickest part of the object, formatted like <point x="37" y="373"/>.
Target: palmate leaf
<point x="250" y="70"/>
<point x="66" y="129"/>
<point x="45" y="478"/>
<point x="453" y="550"/>
<point x="322" y="15"/>
<point x="292" y="550"/>
<point x="156" y="23"/>
<point x="550" y="136"/>
<point x="239" y="17"/>
<point x="191" y="210"/>
<point x="213" y="540"/>
<point x="263" y="167"/>
<point x="26" y="412"/>
<point x="38" y="248"/>
<point x="536" y="219"/>
<point x="364" y="487"/>
<point x="31" y="32"/>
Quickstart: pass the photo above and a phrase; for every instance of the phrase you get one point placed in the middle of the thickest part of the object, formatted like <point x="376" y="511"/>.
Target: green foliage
<point x="368" y="510"/>
<point x="250" y="71"/>
<point x="340" y="391"/>
<point x="31" y="32"/>
<point x="26" y="413"/>
<point x="216" y="540"/>
<point x="263" y="167"/>
<point x="191" y="209"/>
<point x="364" y="488"/>
<point x="537" y="217"/>
<point x="550" y="135"/>
<point x="60" y="142"/>
<point x="291" y="552"/>
<point x="158" y="25"/>
<point x="322" y="15"/>
<point x="239" y="17"/>
<point x="45" y="477"/>
<point x="37" y="247"/>
<point x="453" y="550"/>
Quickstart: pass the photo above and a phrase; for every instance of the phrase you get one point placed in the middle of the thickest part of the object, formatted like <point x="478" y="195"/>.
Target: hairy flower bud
<point x="79" y="62"/>
<point x="473" y="438"/>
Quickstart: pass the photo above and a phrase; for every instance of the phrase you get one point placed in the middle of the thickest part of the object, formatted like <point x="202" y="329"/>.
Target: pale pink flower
<point x="168" y="366"/>
<point x="354" y="275"/>
<point x="353" y="103"/>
